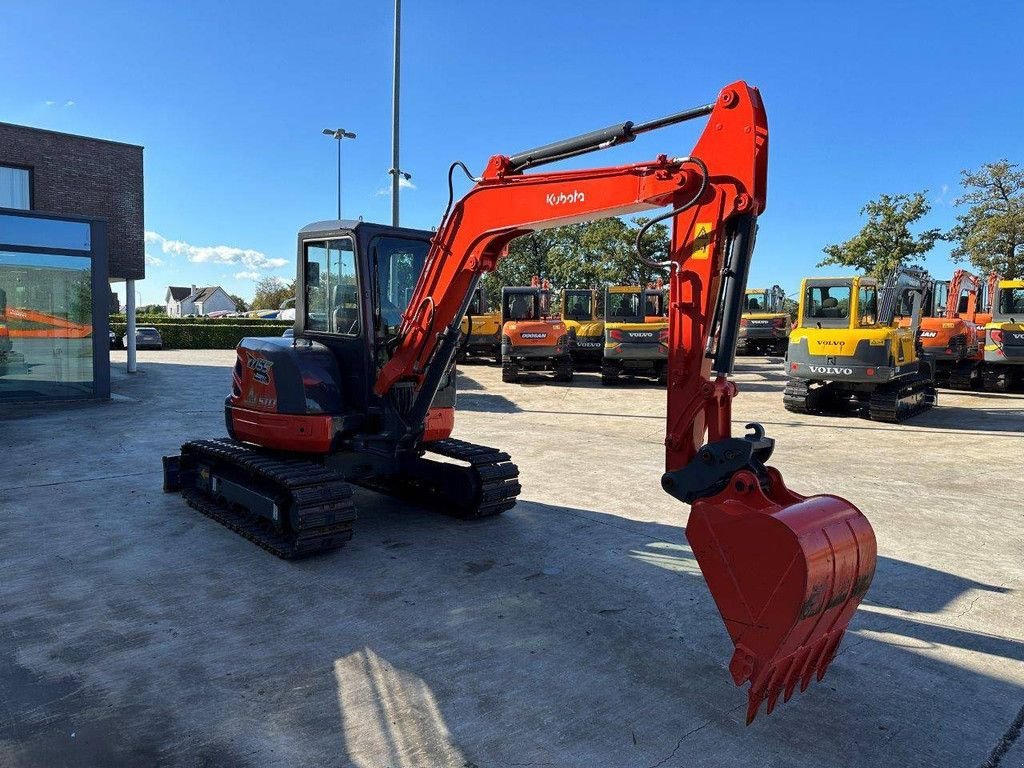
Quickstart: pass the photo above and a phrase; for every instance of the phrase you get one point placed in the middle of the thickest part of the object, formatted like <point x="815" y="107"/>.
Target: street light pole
<point x="395" y="173"/>
<point x="338" y="134"/>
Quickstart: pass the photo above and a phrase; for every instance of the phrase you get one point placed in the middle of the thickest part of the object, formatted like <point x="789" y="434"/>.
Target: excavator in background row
<point x="364" y="393"/>
<point x="953" y="331"/>
<point x="586" y="327"/>
<point x="764" y="326"/>
<point x="481" y="330"/>
<point x="1004" y="338"/>
<point x="635" y="334"/>
<point x="849" y="349"/>
<point x="532" y="339"/>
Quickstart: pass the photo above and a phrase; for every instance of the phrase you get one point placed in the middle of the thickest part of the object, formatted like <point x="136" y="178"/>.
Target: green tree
<point x="886" y="241"/>
<point x="241" y="304"/>
<point x="991" y="233"/>
<point x="271" y="291"/>
<point x="580" y="256"/>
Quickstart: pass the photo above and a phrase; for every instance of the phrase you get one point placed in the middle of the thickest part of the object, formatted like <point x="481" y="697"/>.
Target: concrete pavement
<point x="575" y="630"/>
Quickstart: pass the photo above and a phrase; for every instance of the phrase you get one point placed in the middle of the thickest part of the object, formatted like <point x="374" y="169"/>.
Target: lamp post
<point x="396" y="174"/>
<point x="338" y="134"/>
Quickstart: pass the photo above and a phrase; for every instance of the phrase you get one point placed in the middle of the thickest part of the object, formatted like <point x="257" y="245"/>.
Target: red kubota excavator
<point x="365" y="393"/>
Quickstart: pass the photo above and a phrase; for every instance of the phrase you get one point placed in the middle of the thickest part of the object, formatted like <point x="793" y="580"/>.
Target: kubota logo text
<point x="831" y="369"/>
<point x="562" y="198"/>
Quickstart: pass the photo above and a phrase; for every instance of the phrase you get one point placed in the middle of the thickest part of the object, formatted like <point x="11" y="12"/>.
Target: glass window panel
<point x="332" y="292"/>
<point x="33" y="232"/>
<point x="827" y="306"/>
<point x="625" y="307"/>
<point x="15" y="187"/>
<point x="45" y="326"/>
<point x="867" y="304"/>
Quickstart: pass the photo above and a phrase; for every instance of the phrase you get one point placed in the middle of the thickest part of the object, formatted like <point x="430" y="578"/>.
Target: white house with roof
<point x="198" y="300"/>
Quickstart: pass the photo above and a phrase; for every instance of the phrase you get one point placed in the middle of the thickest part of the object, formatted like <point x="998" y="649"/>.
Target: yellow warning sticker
<point x="702" y="240"/>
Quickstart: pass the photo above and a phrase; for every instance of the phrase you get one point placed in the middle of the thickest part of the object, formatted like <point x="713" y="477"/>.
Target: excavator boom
<point x="786" y="571"/>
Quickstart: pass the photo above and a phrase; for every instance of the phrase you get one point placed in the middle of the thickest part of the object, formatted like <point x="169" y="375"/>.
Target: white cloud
<point x="216" y="254"/>
<point x="69" y="103"/>
<point x="50" y="103"/>
<point x="403" y="183"/>
<point x="154" y="261"/>
<point x="254" y="275"/>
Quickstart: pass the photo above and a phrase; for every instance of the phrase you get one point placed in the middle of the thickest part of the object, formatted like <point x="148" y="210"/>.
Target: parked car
<point x="289" y="333"/>
<point x="146" y="338"/>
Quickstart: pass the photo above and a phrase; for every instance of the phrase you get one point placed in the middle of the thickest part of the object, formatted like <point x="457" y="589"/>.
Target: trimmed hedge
<point x="157" y="320"/>
<point x="209" y="334"/>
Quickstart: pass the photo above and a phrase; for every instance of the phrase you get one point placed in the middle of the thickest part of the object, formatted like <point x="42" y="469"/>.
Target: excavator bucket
<point x="787" y="573"/>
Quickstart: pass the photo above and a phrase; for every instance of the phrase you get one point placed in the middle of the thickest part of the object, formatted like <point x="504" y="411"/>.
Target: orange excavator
<point x="365" y="394"/>
<point x="532" y="339"/>
<point x="953" y="336"/>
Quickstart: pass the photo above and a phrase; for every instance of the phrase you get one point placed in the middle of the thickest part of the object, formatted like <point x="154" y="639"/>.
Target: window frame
<point x="31" y="171"/>
<point x="810" y="321"/>
<point x="326" y="242"/>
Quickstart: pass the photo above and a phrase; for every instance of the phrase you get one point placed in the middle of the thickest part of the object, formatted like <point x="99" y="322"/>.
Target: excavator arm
<point x="786" y="572"/>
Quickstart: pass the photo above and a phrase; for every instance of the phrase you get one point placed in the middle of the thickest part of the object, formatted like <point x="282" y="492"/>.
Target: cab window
<point x="577" y="306"/>
<point x="1011" y="301"/>
<point x="397" y="263"/>
<point x="655" y="305"/>
<point x="867" y="305"/>
<point x="476" y="303"/>
<point x="332" y="292"/>
<point x="520" y="306"/>
<point x="624" y="307"/>
<point x="827" y="306"/>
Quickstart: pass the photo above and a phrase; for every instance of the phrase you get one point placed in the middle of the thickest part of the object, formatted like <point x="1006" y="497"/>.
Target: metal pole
<point x="395" y="175"/>
<point x="339" y="177"/>
<point x="129" y="310"/>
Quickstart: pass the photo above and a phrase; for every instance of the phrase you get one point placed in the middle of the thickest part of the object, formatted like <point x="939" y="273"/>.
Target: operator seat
<point x="830" y="308"/>
<point x="346" y="310"/>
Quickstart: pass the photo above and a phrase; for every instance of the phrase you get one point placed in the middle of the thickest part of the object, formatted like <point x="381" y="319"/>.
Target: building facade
<point x="71" y="226"/>
<point x="201" y="301"/>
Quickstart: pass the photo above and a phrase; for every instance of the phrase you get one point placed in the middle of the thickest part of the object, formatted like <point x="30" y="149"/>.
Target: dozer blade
<point x="787" y="573"/>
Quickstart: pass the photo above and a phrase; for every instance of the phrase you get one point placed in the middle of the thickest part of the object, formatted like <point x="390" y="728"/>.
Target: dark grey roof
<point x="203" y="294"/>
<point x="179" y="293"/>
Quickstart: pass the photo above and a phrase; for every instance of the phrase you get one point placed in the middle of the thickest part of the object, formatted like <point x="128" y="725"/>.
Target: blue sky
<point x="229" y="99"/>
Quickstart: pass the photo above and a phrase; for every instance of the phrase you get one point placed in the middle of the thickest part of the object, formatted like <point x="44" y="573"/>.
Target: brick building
<point x="71" y="226"/>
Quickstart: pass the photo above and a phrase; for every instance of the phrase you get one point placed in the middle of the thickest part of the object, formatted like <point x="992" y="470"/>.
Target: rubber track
<point x="794" y="397"/>
<point x="885" y="401"/>
<point x="322" y="501"/>
<point x="489" y="469"/>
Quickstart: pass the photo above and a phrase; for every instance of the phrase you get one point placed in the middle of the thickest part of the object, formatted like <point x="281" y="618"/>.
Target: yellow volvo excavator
<point x="1004" y="337"/>
<point x="848" y="348"/>
<point x="636" y="334"/>
<point x="764" y="326"/>
<point x="585" y="325"/>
